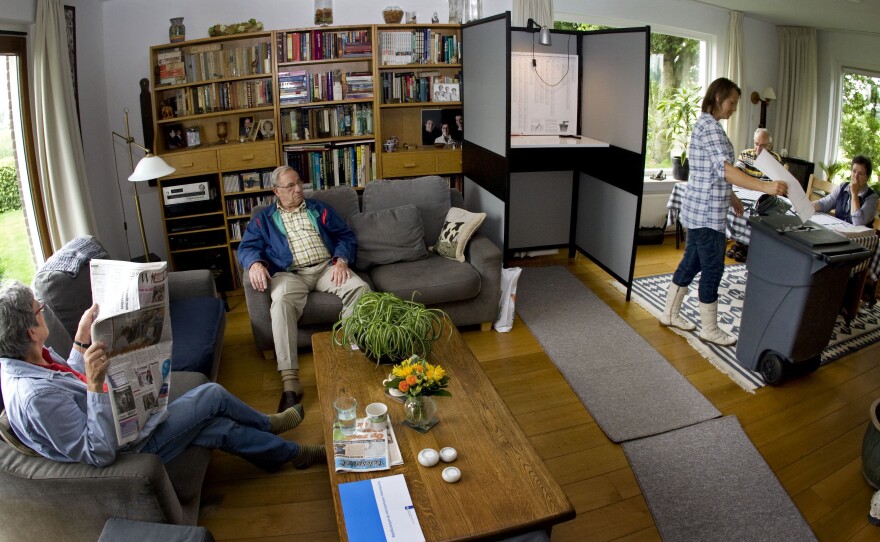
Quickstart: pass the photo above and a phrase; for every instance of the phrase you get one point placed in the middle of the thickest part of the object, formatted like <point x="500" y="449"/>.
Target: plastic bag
<point x="509" y="278"/>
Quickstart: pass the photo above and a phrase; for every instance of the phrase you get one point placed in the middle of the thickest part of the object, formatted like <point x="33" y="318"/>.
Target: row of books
<point x="323" y="45"/>
<point x="247" y="181"/>
<point x="406" y="87"/>
<point x="326" y="166"/>
<point x="418" y="46"/>
<point x="350" y="119"/>
<point x="242" y="207"/>
<point x="225" y="96"/>
<point x="299" y="87"/>
<point x="211" y="61"/>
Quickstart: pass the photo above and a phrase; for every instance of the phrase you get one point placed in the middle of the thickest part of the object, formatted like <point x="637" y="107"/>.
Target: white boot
<point x="710" y="332"/>
<point x="671" y="314"/>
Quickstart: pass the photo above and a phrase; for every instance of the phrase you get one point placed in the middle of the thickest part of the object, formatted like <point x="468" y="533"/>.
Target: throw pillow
<point x="460" y="225"/>
<point x="388" y="236"/>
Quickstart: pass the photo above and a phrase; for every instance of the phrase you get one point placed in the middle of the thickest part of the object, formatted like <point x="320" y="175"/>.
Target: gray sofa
<point x="468" y="291"/>
<point x="43" y="499"/>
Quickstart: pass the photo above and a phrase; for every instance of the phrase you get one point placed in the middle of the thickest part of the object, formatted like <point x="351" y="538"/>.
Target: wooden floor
<point x="809" y="431"/>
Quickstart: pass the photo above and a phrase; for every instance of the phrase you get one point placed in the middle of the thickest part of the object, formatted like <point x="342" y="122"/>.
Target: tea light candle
<point x="448" y="454"/>
<point x="429" y="457"/>
<point x="451" y="475"/>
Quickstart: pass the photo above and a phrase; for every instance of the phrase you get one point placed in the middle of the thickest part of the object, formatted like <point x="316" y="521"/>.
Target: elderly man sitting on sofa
<point x="292" y="247"/>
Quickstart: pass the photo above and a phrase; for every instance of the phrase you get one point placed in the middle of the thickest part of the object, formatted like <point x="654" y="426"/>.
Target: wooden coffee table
<point x="505" y="487"/>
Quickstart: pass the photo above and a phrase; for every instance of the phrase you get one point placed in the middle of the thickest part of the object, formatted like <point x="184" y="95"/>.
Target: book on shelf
<point x="350" y="163"/>
<point x="418" y="46"/>
<point x="320" y="44"/>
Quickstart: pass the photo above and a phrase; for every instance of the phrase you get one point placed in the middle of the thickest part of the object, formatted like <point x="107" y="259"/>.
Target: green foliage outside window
<point x="860" y="120"/>
<point x="10" y="200"/>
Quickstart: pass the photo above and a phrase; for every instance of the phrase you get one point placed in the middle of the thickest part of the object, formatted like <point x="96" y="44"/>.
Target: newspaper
<point x="134" y="321"/>
<point x="366" y="449"/>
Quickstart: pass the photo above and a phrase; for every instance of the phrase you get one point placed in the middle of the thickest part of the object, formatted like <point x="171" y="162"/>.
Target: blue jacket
<point x="265" y="239"/>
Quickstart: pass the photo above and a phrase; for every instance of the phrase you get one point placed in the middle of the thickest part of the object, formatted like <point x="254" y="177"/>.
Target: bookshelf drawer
<point x="191" y="163"/>
<point x="408" y="164"/>
<point x="449" y="161"/>
<point x="248" y="155"/>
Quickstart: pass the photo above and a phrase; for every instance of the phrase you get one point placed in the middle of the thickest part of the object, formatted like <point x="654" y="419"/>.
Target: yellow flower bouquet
<point x="417" y="378"/>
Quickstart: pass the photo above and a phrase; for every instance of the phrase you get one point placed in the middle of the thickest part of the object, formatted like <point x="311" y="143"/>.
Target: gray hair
<point x="279" y="171"/>
<point x="16" y="318"/>
<point x="764" y="131"/>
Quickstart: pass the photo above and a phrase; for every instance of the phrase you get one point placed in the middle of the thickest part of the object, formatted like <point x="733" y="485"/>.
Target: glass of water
<point x="346" y="414"/>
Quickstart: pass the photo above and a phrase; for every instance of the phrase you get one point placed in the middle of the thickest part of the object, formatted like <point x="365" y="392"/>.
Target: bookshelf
<point x="414" y="61"/>
<point x="326" y="104"/>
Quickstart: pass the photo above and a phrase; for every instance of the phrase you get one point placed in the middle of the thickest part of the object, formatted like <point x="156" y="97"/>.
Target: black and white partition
<point x="553" y="153"/>
<point x="614" y="108"/>
<point x="485" y="101"/>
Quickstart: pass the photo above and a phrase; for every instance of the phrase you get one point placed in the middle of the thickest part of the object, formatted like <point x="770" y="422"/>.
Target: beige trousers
<point x="289" y="292"/>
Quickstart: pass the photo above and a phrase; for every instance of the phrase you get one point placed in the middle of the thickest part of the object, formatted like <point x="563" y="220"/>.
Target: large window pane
<point x="859" y="119"/>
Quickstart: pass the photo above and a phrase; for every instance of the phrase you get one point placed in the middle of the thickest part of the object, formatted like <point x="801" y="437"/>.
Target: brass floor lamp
<point x="148" y="167"/>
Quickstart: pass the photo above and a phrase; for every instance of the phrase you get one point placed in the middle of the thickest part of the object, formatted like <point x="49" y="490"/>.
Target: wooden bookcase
<point x="412" y="60"/>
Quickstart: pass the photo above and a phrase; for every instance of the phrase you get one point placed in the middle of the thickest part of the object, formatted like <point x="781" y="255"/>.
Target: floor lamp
<point x="149" y="167"/>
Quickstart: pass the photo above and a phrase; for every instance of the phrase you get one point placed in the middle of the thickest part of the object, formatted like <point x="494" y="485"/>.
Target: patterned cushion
<point x="460" y="225"/>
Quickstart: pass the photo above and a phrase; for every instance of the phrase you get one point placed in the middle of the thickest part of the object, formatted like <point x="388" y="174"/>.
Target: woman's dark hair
<point x="863" y="161"/>
<point x="722" y="88"/>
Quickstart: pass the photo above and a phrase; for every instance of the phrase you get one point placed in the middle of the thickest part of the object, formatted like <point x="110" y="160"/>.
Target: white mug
<point x="377" y="415"/>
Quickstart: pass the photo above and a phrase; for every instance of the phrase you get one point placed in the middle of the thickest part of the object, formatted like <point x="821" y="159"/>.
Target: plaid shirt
<point x="305" y="243"/>
<point x="708" y="195"/>
<point x="746" y="163"/>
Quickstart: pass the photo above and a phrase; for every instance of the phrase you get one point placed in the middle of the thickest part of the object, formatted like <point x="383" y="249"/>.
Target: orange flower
<point x="403" y="386"/>
<point x="412" y="380"/>
<point x="419" y="368"/>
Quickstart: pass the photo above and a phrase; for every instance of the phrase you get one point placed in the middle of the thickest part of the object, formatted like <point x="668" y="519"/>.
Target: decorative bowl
<point x="392" y="14"/>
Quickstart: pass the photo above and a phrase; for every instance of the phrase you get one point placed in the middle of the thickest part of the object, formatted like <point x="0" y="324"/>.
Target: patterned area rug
<point x="650" y="293"/>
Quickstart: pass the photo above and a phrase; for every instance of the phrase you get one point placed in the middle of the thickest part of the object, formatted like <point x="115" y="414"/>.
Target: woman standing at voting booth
<point x="704" y="211"/>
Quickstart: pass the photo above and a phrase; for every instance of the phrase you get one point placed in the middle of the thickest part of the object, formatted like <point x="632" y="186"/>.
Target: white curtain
<point x="539" y="10"/>
<point x="60" y="159"/>
<point x="737" y="126"/>
<point x="796" y="108"/>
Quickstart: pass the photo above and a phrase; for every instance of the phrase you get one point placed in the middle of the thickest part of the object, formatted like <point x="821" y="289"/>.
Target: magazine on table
<point x="134" y="321"/>
<point x="366" y="449"/>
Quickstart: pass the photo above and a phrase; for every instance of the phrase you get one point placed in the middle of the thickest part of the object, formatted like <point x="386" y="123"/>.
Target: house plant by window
<point x="680" y="110"/>
<point x="387" y="328"/>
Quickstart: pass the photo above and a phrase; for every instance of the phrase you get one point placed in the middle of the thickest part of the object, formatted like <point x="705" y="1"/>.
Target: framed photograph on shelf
<point x="455" y="119"/>
<point x="445" y="92"/>
<point x="246" y="128"/>
<point x="267" y="128"/>
<point x="431" y="120"/>
<point x="193" y="136"/>
<point x="174" y="136"/>
<point x="250" y="181"/>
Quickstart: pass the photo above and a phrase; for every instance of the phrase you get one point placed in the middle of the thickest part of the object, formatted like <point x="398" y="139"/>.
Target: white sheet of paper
<point x="776" y="171"/>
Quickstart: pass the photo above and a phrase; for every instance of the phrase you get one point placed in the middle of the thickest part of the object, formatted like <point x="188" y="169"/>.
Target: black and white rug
<point x="650" y="293"/>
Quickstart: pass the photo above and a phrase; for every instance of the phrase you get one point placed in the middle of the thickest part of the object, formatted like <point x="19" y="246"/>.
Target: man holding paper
<point x="853" y="202"/>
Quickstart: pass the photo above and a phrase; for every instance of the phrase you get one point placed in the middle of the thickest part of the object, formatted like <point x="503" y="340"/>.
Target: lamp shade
<point x="544" y="36"/>
<point x="150" y="167"/>
<point x="768" y="94"/>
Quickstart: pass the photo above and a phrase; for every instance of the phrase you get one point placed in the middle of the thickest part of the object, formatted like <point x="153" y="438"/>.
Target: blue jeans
<point x="704" y="252"/>
<point x="211" y="417"/>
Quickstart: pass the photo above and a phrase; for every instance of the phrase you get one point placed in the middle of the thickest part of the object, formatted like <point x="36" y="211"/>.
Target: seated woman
<point x="853" y="202"/>
<point x="61" y="409"/>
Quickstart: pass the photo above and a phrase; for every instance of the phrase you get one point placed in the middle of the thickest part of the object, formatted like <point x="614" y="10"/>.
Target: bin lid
<point x="823" y="243"/>
<point x="814" y="237"/>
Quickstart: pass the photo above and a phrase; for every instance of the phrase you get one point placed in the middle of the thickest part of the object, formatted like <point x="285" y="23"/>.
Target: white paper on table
<point x="776" y="171"/>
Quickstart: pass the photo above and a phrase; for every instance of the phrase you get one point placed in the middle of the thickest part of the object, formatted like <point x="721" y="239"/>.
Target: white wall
<point x="114" y="37"/>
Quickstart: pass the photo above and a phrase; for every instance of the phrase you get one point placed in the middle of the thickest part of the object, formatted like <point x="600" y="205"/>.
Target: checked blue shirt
<point x="708" y="195"/>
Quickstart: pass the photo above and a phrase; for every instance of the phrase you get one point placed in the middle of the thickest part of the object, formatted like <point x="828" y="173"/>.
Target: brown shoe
<point x="288" y="400"/>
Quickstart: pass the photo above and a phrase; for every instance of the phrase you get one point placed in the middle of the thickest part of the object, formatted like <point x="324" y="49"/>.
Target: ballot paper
<point x="379" y="510"/>
<point x="776" y="171"/>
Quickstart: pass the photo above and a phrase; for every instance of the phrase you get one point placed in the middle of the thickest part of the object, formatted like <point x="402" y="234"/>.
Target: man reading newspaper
<point x="62" y="409"/>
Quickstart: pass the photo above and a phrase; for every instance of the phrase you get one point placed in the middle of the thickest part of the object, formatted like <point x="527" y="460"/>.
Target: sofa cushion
<point x="343" y="199"/>
<point x="434" y="280"/>
<point x="195" y="323"/>
<point x="388" y="236"/>
<point x="460" y="225"/>
<point x="429" y="194"/>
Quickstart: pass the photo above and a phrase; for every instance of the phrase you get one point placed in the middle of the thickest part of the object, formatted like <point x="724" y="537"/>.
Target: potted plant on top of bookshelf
<point x="680" y="112"/>
<point x="389" y="329"/>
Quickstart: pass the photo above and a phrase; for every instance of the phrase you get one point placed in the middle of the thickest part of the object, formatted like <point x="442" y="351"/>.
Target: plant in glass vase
<point x="419" y="381"/>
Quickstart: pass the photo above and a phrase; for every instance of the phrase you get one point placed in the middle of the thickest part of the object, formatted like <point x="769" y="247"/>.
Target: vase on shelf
<point x="222" y="131"/>
<point x="473" y="10"/>
<point x="177" y="31"/>
<point x="455" y="11"/>
<point x="420" y="411"/>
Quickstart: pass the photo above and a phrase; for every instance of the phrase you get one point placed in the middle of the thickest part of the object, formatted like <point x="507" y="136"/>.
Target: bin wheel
<point x="772" y="368"/>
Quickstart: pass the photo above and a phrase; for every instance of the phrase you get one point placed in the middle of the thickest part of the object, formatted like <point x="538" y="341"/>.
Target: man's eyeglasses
<point x="40" y="308"/>
<point x="288" y="187"/>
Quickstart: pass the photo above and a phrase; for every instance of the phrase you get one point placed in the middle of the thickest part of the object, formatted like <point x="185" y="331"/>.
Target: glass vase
<point x="177" y="30"/>
<point x="473" y="10"/>
<point x="323" y="12"/>
<point x="420" y="411"/>
<point x="454" y="11"/>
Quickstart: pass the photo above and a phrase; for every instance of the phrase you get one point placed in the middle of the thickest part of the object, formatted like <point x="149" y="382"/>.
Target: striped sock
<point x="287" y="420"/>
<point x="308" y="455"/>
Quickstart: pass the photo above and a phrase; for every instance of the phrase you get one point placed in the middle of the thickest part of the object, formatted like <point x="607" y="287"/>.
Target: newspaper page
<point x="135" y="323"/>
<point x="366" y="449"/>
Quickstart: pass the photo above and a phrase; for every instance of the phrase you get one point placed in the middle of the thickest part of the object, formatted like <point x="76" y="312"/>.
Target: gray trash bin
<point x="797" y="275"/>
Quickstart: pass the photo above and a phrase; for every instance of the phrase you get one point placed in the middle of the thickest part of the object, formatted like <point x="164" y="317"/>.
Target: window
<point x="859" y="117"/>
<point x="676" y="61"/>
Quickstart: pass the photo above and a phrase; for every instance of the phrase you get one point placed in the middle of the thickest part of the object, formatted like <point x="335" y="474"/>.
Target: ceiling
<point x="852" y="15"/>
